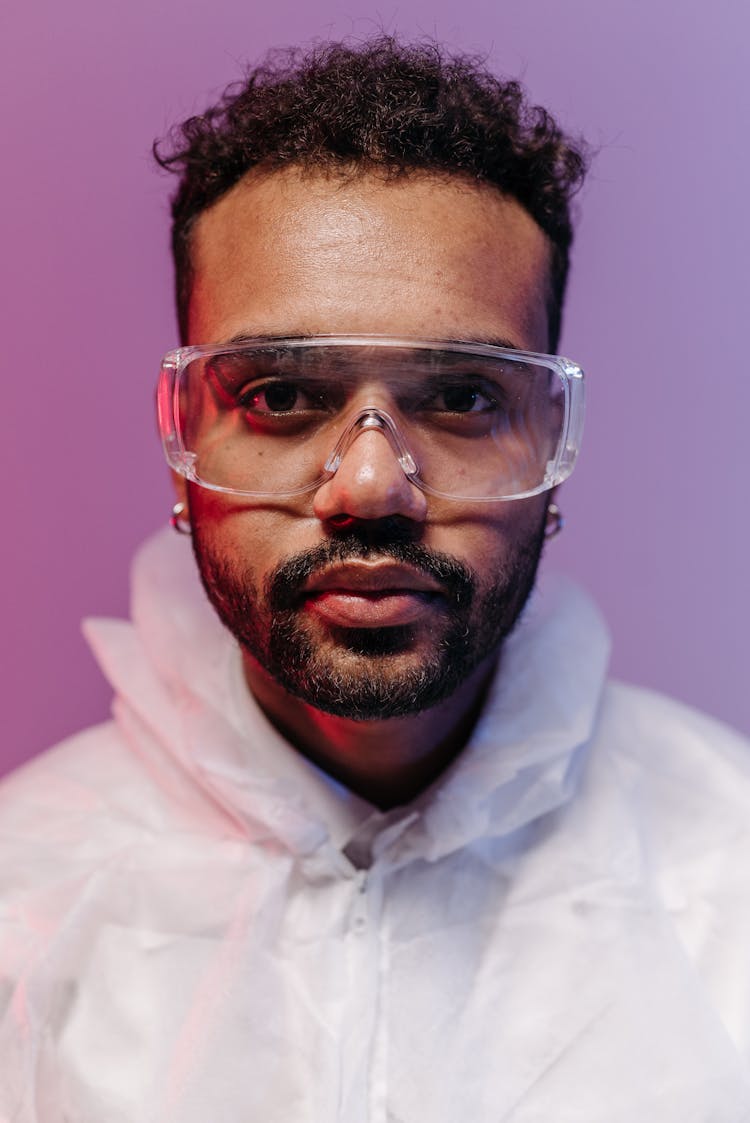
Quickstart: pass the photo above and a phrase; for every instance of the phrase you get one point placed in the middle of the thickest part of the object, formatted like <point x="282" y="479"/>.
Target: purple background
<point x="657" y="511"/>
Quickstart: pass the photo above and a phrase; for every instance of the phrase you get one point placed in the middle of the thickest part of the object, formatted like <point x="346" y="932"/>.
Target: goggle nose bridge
<point x="365" y="421"/>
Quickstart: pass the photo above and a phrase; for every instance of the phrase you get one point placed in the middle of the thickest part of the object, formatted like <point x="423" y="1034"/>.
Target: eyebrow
<point x="249" y="337"/>
<point x="491" y="341"/>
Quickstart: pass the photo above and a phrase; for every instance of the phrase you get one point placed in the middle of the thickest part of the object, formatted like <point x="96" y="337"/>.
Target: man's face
<point x="368" y="598"/>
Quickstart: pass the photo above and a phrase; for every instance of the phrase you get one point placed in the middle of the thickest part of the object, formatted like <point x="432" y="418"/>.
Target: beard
<point x="367" y="674"/>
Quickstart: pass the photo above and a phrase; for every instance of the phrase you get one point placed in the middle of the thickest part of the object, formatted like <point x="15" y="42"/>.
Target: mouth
<point x="359" y="594"/>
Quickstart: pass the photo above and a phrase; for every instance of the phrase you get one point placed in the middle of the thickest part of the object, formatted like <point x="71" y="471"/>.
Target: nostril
<point x="376" y="533"/>
<point x="341" y="522"/>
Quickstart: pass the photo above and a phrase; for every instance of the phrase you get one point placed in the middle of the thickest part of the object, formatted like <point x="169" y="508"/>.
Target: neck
<point x="389" y="762"/>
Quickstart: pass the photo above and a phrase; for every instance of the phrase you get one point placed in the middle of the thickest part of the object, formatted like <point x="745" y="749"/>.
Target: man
<point x="384" y="846"/>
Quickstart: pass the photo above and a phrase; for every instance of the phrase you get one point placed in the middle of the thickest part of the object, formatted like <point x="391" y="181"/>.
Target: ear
<point x="179" y="483"/>
<point x="554" y="521"/>
<point x="550" y="496"/>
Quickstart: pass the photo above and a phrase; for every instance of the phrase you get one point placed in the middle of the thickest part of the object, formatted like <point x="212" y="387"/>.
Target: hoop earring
<point x="176" y="520"/>
<point x="555" y="521"/>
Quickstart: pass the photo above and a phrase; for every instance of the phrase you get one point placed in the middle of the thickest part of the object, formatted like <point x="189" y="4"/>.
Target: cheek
<point x="487" y="535"/>
<point x="255" y="540"/>
<point x="252" y="540"/>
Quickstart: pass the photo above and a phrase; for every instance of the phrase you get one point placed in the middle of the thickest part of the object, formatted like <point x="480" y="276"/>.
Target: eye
<point x="279" y="396"/>
<point x="464" y="397"/>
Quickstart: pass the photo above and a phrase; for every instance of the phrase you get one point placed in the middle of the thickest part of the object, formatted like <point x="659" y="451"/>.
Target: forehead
<point x="292" y="253"/>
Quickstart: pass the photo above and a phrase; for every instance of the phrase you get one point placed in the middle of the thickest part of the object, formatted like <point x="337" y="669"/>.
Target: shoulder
<point x="63" y="815"/>
<point x="648" y="710"/>
<point x="687" y="775"/>
<point x="92" y="759"/>
<point x="72" y="805"/>
<point x="686" y="778"/>
<point x="667" y="744"/>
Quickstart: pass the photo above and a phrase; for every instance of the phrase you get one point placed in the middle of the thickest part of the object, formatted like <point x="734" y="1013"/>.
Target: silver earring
<point x="555" y="521"/>
<point x="177" y="520"/>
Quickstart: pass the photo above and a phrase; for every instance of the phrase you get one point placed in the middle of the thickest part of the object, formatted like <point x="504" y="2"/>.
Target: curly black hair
<point x="385" y="108"/>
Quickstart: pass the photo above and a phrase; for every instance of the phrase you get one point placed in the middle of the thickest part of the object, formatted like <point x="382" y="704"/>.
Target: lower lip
<point x="369" y="610"/>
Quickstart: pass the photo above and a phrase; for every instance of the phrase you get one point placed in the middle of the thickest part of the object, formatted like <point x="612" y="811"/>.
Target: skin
<point x="292" y="254"/>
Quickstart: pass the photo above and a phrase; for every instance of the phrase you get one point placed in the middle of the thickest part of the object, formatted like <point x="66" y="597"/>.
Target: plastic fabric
<point x="198" y="925"/>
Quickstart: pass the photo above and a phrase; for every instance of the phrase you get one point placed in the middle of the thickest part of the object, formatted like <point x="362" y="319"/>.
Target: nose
<point x="370" y="481"/>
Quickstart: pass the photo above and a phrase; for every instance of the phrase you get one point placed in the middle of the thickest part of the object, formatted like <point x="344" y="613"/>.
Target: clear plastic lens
<point x="274" y="417"/>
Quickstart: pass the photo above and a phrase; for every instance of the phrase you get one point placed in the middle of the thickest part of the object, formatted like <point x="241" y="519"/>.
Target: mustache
<point x="284" y="586"/>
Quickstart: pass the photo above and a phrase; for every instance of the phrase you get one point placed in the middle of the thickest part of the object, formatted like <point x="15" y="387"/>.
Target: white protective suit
<point x="199" y="927"/>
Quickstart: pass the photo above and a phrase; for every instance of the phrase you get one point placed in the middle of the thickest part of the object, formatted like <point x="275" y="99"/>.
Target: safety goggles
<point x="274" y="418"/>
